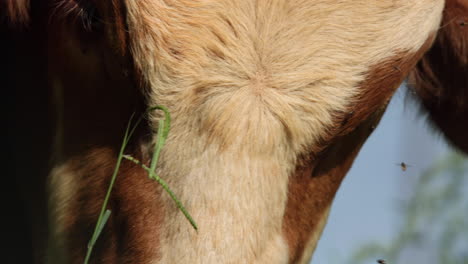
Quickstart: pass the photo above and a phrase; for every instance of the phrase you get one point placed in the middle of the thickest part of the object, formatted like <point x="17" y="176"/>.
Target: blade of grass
<point x="100" y="224"/>
<point x="165" y="186"/>
<point x="105" y="217"/>
<point x="163" y="131"/>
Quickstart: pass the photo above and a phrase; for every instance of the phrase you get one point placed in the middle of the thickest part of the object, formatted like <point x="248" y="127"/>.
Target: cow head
<point x="270" y="100"/>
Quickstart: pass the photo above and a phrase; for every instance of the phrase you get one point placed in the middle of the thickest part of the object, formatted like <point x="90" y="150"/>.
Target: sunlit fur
<point x="259" y="93"/>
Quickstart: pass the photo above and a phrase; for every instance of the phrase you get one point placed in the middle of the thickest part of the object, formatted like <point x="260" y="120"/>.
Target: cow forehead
<point x="291" y="64"/>
<point x="252" y="86"/>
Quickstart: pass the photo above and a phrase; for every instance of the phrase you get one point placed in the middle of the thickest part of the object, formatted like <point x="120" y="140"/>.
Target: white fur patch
<point x="250" y="86"/>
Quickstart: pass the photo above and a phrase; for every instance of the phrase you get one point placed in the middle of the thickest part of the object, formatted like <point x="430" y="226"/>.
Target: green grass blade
<point x="163" y="131"/>
<point x="99" y="223"/>
<point x="166" y="188"/>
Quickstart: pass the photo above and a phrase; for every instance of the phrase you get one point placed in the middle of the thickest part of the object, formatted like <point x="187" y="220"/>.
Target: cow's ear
<point x="440" y="80"/>
<point x="14" y="13"/>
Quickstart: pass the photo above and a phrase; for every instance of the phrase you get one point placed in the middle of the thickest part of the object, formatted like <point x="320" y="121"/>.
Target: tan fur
<point x="63" y="183"/>
<point x="251" y="86"/>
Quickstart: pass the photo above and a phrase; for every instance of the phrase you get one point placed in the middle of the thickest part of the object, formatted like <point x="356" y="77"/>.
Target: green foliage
<point x="435" y="216"/>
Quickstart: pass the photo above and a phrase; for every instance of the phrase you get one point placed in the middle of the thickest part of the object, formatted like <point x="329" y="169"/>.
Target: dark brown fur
<point x="93" y="126"/>
<point x="17" y="11"/>
<point x="101" y="96"/>
<point x="441" y="78"/>
<point x="127" y="237"/>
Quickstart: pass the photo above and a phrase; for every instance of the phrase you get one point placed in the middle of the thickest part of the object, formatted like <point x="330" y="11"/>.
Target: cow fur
<point x="259" y="89"/>
<point x="271" y="102"/>
<point x="440" y="79"/>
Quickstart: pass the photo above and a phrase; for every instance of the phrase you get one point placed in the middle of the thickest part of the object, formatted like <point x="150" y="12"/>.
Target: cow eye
<point x="82" y="13"/>
<point x="90" y="17"/>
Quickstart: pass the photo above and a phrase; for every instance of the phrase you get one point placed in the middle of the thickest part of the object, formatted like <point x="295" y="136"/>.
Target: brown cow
<point x="271" y="101"/>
